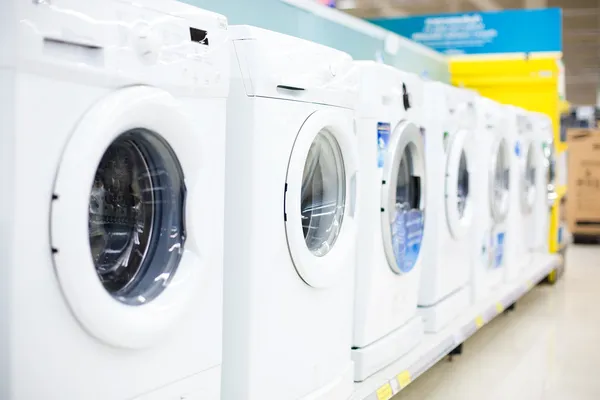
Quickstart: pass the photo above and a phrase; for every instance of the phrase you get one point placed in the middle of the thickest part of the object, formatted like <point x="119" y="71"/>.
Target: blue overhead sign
<point x="508" y="31"/>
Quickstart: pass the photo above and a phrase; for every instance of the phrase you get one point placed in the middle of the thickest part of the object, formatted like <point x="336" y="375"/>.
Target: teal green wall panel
<point x="330" y="28"/>
<point x="320" y="30"/>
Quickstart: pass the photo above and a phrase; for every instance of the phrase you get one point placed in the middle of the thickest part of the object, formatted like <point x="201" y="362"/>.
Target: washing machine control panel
<point x="146" y="42"/>
<point x="179" y="51"/>
<point x="183" y="48"/>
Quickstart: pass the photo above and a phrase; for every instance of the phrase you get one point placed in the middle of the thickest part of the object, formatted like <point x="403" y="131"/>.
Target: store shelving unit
<point x="395" y="377"/>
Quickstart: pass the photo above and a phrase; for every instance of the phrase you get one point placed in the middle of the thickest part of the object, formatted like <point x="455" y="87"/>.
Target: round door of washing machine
<point x="123" y="253"/>
<point x="528" y="179"/>
<point x="320" y="196"/>
<point x="550" y="168"/>
<point x="458" y="205"/>
<point x="403" y="197"/>
<point x="499" y="189"/>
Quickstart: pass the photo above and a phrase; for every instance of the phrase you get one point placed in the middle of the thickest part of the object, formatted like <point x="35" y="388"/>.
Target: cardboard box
<point x="583" y="166"/>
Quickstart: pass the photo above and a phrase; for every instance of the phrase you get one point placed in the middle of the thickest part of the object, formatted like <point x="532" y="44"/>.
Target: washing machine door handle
<point x="499" y="205"/>
<point x="405" y="97"/>
<point x="415" y="189"/>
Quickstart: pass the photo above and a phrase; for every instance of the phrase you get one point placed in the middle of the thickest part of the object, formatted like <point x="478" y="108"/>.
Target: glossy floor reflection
<point x="548" y="348"/>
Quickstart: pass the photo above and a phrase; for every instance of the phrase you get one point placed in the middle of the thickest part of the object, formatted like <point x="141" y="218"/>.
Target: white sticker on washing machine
<point x="383" y="138"/>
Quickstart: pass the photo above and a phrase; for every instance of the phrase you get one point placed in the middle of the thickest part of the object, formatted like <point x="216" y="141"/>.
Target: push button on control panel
<point x="147" y="43"/>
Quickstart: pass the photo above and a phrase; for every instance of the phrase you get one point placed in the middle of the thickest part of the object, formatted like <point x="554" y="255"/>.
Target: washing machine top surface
<point x="542" y="125"/>
<point x="488" y="109"/>
<point x="525" y="124"/>
<point x="383" y="91"/>
<point x="280" y="66"/>
<point x="461" y="105"/>
<point x="166" y="44"/>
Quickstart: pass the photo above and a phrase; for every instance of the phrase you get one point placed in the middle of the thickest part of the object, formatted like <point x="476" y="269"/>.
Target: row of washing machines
<point x="193" y="210"/>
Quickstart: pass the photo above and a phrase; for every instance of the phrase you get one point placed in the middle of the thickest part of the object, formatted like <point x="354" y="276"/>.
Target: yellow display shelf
<point x="528" y="82"/>
<point x="560" y="147"/>
<point x="531" y="83"/>
<point x="564" y="107"/>
<point x="561" y="191"/>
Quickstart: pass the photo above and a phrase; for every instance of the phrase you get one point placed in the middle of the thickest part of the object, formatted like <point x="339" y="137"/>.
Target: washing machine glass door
<point x="320" y="198"/>
<point x="457" y="183"/>
<point x="550" y="164"/>
<point x="499" y="180"/>
<point x="403" y="197"/>
<point x="528" y="179"/>
<point x="118" y="223"/>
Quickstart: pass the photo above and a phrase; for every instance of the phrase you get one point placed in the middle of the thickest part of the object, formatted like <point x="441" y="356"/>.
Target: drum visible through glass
<point x="323" y="196"/>
<point x="462" y="185"/>
<point x="136" y="226"/>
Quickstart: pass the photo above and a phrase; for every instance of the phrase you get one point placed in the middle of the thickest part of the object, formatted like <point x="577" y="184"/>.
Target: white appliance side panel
<point x="480" y="253"/>
<point x="541" y="209"/>
<point x="435" y="224"/>
<point x="486" y="274"/>
<point x="8" y="176"/>
<point x="237" y="287"/>
<point x="524" y="225"/>
<point x="513" y="219"/>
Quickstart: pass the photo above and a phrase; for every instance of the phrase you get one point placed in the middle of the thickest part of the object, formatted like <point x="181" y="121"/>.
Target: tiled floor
<point x="548" y="348"/>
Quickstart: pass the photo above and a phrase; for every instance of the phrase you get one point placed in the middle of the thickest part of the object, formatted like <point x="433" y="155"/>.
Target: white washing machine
<point x="533" y="188"/>
<point x="521" y="193"/>
<point x="114" y="121"/>
<point x="491" y="182"/>
<point x="450" y="127"/>
<point x="390" y="219"/>
<point x="290" y="220"/>
<point x="544" y="181"/>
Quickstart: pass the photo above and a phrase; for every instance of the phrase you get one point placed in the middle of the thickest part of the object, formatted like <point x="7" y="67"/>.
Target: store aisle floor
<point x="548" y="348"/>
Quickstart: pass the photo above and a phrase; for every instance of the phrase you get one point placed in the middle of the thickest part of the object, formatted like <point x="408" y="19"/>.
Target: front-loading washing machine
<point x="290" y="219"/>
<point x="545" y="194"/>
<point x="114" y="124"/>
<point x="390" y="218"/>
<point x="521" y="193"/>
<point x="532" y="169"/>
<point x="491" y="197"/>
<point x="451" y="124"/>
